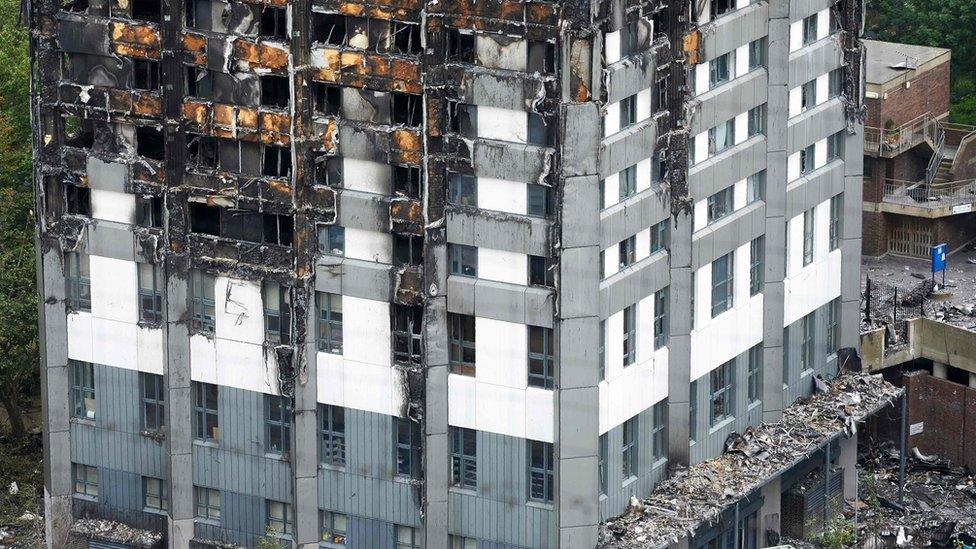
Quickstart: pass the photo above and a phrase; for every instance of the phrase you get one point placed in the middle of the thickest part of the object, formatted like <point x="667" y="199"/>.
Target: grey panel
<point x="636" y="213"/>
<point x="728" y="234"/>
<point x="736" y="29"/>
<point x="811" y="61"/>
<point x="716" y="173"/>
<point x="814" y="188"/>
<point x="366" y="211"/>
<point x="729" y="100"/>
<point x="634" y="283"/>
<point x="502" y="89"/>
<point x="628" y="147"/>
<point x="803" y="8"/>
<point x="815" y="124"/>
<point x="510" y="161"/>
<point x="498" y="231"/>
<point x="106" y="176"/>
<point x="354" y="277"/>
<point x="630" y="76"/>
<point x="111" y="239"/>
<point x="651" y="471"/>
<point x="500" y="300"/>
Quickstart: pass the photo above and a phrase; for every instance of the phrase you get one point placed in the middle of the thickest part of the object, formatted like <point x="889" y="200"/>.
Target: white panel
<point x="814" y="286"/>
<point x="611" y="190"/>
<point x="80" y="337"/>
<point x="821" y="231"/>
<point x="239" y="310"/>
<point x="739" y="194"/>
<point x="701" y="214"/>
<point x="114" y="291"/>
<point x="461" y="401"/>
<point x="611" y="260"/>
<point x="366" y="176"/>
<point x="615" y="345"/>
<point x="645" y="329"/>
<point x="366" y="330"/>
<point x="741" y="127"/>
<point x="203" y="359"/>
<point x="643" y="243"/>
<point x="796" y="35"/>
<point x="611" y="46"/>
<point x="368" y="245"/>
<point x="370" y="387"/>
<point x="502" y="124"/>
<point x="793" y="167"/>
<point x="244" y="366"/>
<point x="538" y="413"/>
<point x="739" y="4"/>
<point x="703" y="297"/>
<point x="796" y="101"/>
<point x="820" y="154"/>
<point x="501" y="195"/>
<point x="701" y="147"/>
<point x="500" y="352"/>
<point x="149" y="350"/>
<point x="611" y="120"/>
<point x="644" y="104"/>
<point x="501" y="410"/>
<point x="113" y="206"/>
<point x="643" y="174"/>
<point x="823" y="87"/>
<point x="742" y="58"/>
<point x="492" y="54"/>
<point x="823" y="24"/>
<point x="502" y="266"/>
<point x="114" y="343"/>
<point x="701" y="78"/>
<point x="636" y="389"/>
<point x="330" y="370"/>
<point x="794" y="245"/>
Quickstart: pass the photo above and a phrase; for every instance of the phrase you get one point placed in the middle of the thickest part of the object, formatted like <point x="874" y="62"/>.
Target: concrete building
<point x="919" y="169"/>
<point x="443" y="274"/>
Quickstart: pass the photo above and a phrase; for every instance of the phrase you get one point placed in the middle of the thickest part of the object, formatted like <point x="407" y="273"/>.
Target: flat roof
<point x="889" y="60"/>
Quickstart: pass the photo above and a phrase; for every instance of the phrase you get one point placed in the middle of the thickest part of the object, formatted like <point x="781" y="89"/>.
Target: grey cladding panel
<point x="630" y="76"/>
<point x="628" y="147"/>
<point x="814" y="188"/>
<point x="708" y="177"/>
<point x="650" y="471"/>
<point x="633" y="215"/>
<point x="510" y="161"/>
<point x="730" y="100"/>
<point x="728" y="234"/>
<point x="736" y="29"/>
<point x="818" y="123"/>
<point x="811" y="61"/>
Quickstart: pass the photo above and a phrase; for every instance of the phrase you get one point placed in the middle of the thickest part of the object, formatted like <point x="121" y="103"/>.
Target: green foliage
<point x="839" y="534"/>
<point x="940" y="23"/>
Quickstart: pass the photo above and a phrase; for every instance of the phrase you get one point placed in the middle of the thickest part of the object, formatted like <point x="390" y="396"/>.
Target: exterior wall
<point x="933" y="403"/>
<point x="799" y="383"/>
<point x="650" y="471"/>
<point x="928" y="93"/>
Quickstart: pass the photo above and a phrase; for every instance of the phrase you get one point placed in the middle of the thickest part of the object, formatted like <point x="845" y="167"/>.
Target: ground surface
<point x="21" y="523"/>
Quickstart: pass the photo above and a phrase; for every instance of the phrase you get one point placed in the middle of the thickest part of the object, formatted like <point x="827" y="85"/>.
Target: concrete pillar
<point x="848" y="460"/>
<point x="305" y="465"/>
<point x="437" y="468"/>
<point x="939" y="370"/>
<point x="770" y="512"/>
<point x="972" y="380"/>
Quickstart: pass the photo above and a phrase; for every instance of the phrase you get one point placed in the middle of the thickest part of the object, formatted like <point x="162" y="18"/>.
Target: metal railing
<point x="927" y="195"/>
<point x="894" y="141"/>
<point x="936" y="159"/>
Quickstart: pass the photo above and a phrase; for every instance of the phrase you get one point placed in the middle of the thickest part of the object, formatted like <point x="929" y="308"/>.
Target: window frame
<point x="660" y="323"/>
<point x="157" y="501"/>
<point x="412" y="543"/>
<point x="720" y="205"/>
<point x="722" y="396"/>
<point x="540" y="472"/>
<point x="460" y="327"/>
<point x="540" y="364"/>
<point x="809" y="29"/>
<point x="725" y="284"/>
<point x="756" y="187"/>
<point x="628" y="111"/>
<point x="809" y="228"/>
<point x="756" y="121"/>
<point x="660" y="236"/>
<point x="286" y="520"/>
<point x="203" y="305"/>
<point x="331" y="533"/>
<point x="406" y="448"/>
<point x="463" y="260"/>
<point x="330" y="317"/>
<point x="629" y="453"/>
<point x="754" y="373"/>
<point x="757" y="256"/>
<point x="835" y="222"/>
<point x="721" y="70"/>
<point x="627" y="252"/>
<point x="627" y="183"/>
<point x="630" y="335"/>
<point x="807" y="337"/>
<point x="203" y="504"/>
<point x="77" y="281"/>
<point x="714" y="147"/>
<point x="464" y="460"/>
<point x="202" y="412"/>
<point x="88" y="487"/>
<point x="81" y="391"/>
<point x="150" y="293"/>
<point x="757" y="53"/>
<point x="658" y="425"/>
<point x="602" y="469"/>
<point x="406" y="337"/>
<point x="808" y="159"/>
<point x="153" y="405"/>
<point x="331" y="239"/>
<point x="277" y="319"/>
<point x="277" y="427"/>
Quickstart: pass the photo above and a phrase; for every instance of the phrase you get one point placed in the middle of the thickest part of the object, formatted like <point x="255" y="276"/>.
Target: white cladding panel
<point x="502" y="124"/>
<point x="502" y="266"/>
<point x="113" y="206"/>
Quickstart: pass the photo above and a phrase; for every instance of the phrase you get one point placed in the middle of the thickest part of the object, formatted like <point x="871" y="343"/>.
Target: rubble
<point x="953" y="302"/>
<point x="116" y="532"/>
<point x="698" y="495"/>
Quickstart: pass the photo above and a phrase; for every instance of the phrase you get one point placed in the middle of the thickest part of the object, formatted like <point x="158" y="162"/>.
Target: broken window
<point x="274" y="91"/>
<point x="274" y="23"/>
<point x="720" y="204"/>
<point x="149" y="143"/>
<point x="408" y="108"/>
<point x="462" y="118"/>
<point x="541" y="271"/>
<point x="328" y="98"/>
<point x="602" y="464"/>
<point x="723" y="286"/>
<point x="721" y="137"/>
<point x="202" y="304"/>
<point x="406" y="38"/>
<point x="407" y="326"/>
<point x="407" y="451"/>
<point x="628" y="450"/>
<point x="406" y="181"/>
<point x="332" y="239"/>
<point x="661" y="318"/>
<point x="807" y="159"/>
<point x="723" y="392"/>
<point x="77" y="200"/>
<point x="153" y="402"/>
<point x="630" y="335"/>
<point x="147" y="10"/>
<point x="78" y="132"/>
<point x="462" y="190"/>
<point x="460" y="45"/>
<point x="201" y="151"/>
<point x="721" y="7"/>
<point x="277" y="425"/>
<point x="332" y="432"/>
<point x="463" y="259"/>
<point x="628" y="111"/>
<point x="246" y="225"/>
<point x="329" y="28"/>
<point x="541" y="58"/>
<point x="278" y="229"/>
<point x="408" y="250"/>
<point x="77" y="281"/>
<point x="199" y="83"/>
<point x="204" y="219"/>
<point x="330" y="322"/>
<point x="462" y="344"/>
<point x="538" y="131"/>
<point x="150" y="294"/>
<point x="757" y="53"/>
<point x="627" y="182"/>
<point x="540" y="471"/>
<point x="145" y="74"/>
<point x="277" y="312"/>
<point x="721" y="69"/>
<point x="328" y="170"/>
<point x="206" y="425"/>
<point x="628" y="251"/>
<point x="464" y="459"/>
<point x="808" y="95"/>
<point x="277" y="161"/>
<point x="149" y="211"/>
<point x="541" y="358"/>
<point x="82" y="389"/>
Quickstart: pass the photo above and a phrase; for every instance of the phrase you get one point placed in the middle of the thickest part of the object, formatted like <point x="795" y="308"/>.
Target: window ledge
<point x="464" y="491"/>
<point x="332" y="467"/>
<point x="85" y="497"/>
<point x="211" y="522"/>
<point x="206" y="443"/>
<point x="539" y="505"/>
<point x="83" y="421"/>
<point x="754" y="404"/>
<point x="628" y="481"/>
<point x="720" y="425"/>
<point x="161" y="512"/>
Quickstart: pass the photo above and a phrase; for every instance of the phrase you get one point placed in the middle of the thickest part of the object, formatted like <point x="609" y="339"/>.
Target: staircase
<point x="943" y="171"/>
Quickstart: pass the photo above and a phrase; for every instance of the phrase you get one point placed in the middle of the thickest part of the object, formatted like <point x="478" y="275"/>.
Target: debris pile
<point x="116" y="532"/>
<point x="699" y="494"/>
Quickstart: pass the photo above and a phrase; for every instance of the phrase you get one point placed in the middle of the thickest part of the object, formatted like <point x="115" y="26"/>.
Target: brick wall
<point x="947" y="411"/>
<point x="929" y="92"/>
<point x="955" y="230"/>
<point x="874" y="234"/>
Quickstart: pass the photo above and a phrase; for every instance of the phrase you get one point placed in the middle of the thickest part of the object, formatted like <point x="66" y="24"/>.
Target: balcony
<point x="929" y="200"/>
<point x="891" y="142"/>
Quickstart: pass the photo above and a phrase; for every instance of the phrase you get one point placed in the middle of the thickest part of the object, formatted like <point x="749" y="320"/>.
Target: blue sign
<point x="938" y="257"/>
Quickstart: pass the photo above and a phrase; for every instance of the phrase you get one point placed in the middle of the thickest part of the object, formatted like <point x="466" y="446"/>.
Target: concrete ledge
<point x="736" y="29"/>
<point x="815" y="124"/>
<point x="727" y="234"/>
<point x="634" y="283"/>
<point x="814" y="188"/>
<point x="529" y="305"/>
<point x="628" y="147"/>
<point x="510" y="161"/>
<point x="354" y="277"/>
<point x="362" y="210"/>
<point x="818" y="58"/>
<point x="730" y="100"/>
<point x="708" y="177"/>
<point x="630" y="75"/>
<point x="636" y="213"/>
<point x="498" y="231"/>
<point x="110" y="239"/>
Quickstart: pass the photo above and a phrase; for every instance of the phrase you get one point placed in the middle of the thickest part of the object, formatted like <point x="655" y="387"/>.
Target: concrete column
<point x="679" y="343"/>
<point x="305" y="462"/>
<point x="848" y="460"/>
<point x="771" y="510"/>
<point x="437" y="468"/>
<point x="939" y="370"/>
<point x="972" y="380"/>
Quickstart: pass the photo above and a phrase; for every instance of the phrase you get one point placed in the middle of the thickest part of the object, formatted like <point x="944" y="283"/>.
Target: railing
<point x="894" y="141"/>
<point x="936" y="159"/>
<point x="927" y="195"/>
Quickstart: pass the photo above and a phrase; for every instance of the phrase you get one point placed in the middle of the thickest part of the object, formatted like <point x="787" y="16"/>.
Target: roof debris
<point x="698" y="495"/>
<point x="116" y="532"/>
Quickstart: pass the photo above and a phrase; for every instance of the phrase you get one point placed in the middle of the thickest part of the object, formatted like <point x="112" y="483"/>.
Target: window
<point x="462" y="345"/>
<point x="274" y="91"/>
<point x="406" y="333"/>
<point x="833" y="342"/>
<point x="327" y="99"/>
<point x="629" y="39"/>
<point x="406" y="181"/>
<point x="464" y="458"/>
<point x="720" y="204"/>
<point x="202" y="304"/>
<point x="273" y="23"/>
<point x="407" y="109"/>
<point x="808" y="237"/>
<point x="757" y="253"/>
<point x="541" y="58"/>
<point x="602" y="464"/>
<point x="77" y="200"/>
<point x="153" y="402"/>
<point x="330" y="322"/>
<point x="332" y="240"/>
<point x="722" y="284"/>
<point x="628" y="251"/>
<point x="154" y="494"/>
<point x="660" y="318"/>
<point x="835" y="146"/>
<point x="835" y="82"/>
<point x="836" y="205"/>
<point x="807" y="326"/>
<point x="754" y="373"/>
<point x="630" y="335"/>
<point x="723" y="392"/>
<point x="77" y="281"/>
<point x="406" y="37"/>
<point x="628" y="450"/>
<point x="540" y="471"/>
<point x="538" y="200"/>
<point x="408" y="250"/>
<point x="627" y="179"/>
<point x="541" y="271"/>
<point x="207" y="501"/>
<point x="201" y="152"/>
<point x="86" y="479"/>
<point x="808" y="95"/>
<point x="149" y="211"/>
<point x="407" y="537"/>
<point x="660" y="236"/>
<point x="603" y="350"/>
<point x="277" y="313"/>
<point x="205" y="419"/>
<point x="756" y="187"/>
<point x="277" y="424"/>
<point x="628" y="111"/>
<point x="807" y="160"/>
<point x="277" y="161"/>
<point x="540" y="358"/>
<point x="147" y="10"/>
<point x="82" y="389"/>
<point x="659" y="420"/>
<point x="279" y="520"/>
<point x="460" y="45"/>
<point x="333" y="435"/>
<point x="721" y="69"/>
<point x="757" y="53"/>
<point x="464" y="260"/>
<point x="334" y="527"/>
<point x="150" y="143"/>
<point x="810" y="29"/>
<point x="693" y="412"/>
<point x="150" y="295"/>
<point x="462" y="190"/>
<point x="757" y="120"/>
<point x="407" y="446"/>
<point x="721" y="137"/>
<point x="719" y="8"/>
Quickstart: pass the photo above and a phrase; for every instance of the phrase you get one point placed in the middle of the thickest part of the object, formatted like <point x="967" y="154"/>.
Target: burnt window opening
<point x="201" y="152"/>
<point x="406" y="327"/>
<point x="190" y="14"/>
<point x="77" y="200"/>
<point x="406" y="181"/>
<point x="149" y="211"/>
<point x="278" y="229"/>
<point x="461" y="118"/>
<point x="204" y="219"/>
<point x="199" y="83"/>
<point x="146" y="74"/>
<point x="407" y="109"/>
<point x="719" y="8"/>
<point x="53" y="196"/>
<point x="406" y="38"/>
<point x="76" y="6"/>
<point x="408" y="250"/>
<point x="328" y="170"/>
<point x="149" y="143"/>
<point x="147" y="10"/>
<point x="78" y="132"/>
<point x="274" y="91"/>
<point x="247" y="225"/>
<point x="539" y="133"/>
<point x="277" y="312"/>
<point x="542" y="57"/>
<point x="328" y="98"/>
<point x="274" y="23"/>
<point x="662" y="94"/>
<point x="277" y="161"/>
<point x="329" y="28"/>
<point x="541" y="271"/>
<point x="459" y="46"/>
